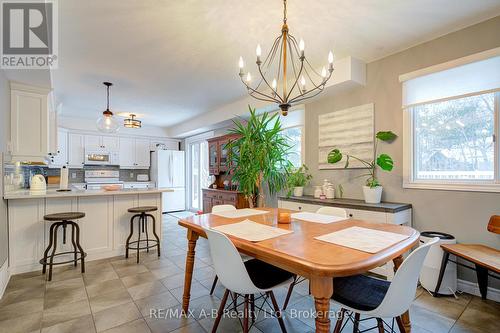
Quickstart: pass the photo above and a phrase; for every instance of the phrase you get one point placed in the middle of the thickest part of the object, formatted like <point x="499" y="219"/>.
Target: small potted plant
<point x="297" y="179"/>
<point x="372" y="191"/>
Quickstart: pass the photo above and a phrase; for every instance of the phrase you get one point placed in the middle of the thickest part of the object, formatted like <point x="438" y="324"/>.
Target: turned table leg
<point x="188" y="277"/>
<point x="322" y="290"/>
<point x="405" y="317"/>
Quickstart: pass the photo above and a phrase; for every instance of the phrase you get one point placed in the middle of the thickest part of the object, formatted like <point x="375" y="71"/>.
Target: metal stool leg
<point x="127" y="243"/>
<point x="147" y="235"/>
<point x="141" y="221"/>
<point x="82" y="254"/>
<point x="154" y="233"/>
<point x="75" y="249"/>
<point x="51" y="241"/>
<point x="51" y="260"/>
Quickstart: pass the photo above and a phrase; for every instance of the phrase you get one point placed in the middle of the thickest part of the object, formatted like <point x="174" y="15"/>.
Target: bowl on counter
<point x="112" y="187"/>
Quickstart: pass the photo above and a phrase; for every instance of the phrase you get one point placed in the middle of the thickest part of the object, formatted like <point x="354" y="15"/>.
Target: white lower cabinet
<point x="103" y="230"/>
<point x="399" y="217"/>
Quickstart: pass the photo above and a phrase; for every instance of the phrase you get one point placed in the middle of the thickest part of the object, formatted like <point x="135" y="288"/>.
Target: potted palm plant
<point x="258" y="157"/>
<point x="372" y="191"/>
<point x="297" y="179"/>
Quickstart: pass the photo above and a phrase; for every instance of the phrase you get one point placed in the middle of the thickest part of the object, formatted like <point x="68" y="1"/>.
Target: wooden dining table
<point x="301" y="254"/>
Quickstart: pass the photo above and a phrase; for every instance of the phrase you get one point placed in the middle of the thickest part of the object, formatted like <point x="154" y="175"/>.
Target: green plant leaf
<point x="386" y="136"/>
<point x="385" y="162"/>
<point x="334" y="156"/>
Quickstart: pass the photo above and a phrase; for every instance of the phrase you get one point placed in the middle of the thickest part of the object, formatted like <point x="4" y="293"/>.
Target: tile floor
<point x="118" y="295"/>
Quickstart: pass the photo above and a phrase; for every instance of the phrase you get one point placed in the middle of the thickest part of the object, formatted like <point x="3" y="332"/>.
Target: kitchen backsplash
<point x="13" y="173"/>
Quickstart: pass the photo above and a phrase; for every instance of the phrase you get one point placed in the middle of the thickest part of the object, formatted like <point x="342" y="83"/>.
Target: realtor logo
<point x="29" y="34"/>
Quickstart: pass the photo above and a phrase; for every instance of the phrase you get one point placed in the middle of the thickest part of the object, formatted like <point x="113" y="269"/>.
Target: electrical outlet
<point x="73" y="175"/>
<point x="131" y="175"/>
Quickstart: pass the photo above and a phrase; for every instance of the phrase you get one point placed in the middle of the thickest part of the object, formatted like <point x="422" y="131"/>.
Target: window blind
<point x="478" y="76"/>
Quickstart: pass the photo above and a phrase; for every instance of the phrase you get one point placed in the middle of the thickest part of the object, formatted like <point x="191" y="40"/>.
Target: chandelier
<point x="285" y="75"/>
<point x="131" y="122"/>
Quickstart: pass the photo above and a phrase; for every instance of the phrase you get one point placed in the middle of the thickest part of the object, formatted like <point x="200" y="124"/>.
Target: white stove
<point x="96" y="179"/>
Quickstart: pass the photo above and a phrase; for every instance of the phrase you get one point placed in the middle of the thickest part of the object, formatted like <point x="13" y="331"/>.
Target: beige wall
<point x="4" y="137"/>
<point x="463" y="214"/>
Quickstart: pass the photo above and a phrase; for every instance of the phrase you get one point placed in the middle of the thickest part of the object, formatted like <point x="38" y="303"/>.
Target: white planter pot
<point x="298" y="191"/>
<point x="372" y="195"/>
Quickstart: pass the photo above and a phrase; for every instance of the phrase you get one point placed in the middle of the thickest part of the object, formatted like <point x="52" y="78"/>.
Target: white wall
<point x="4" y="138"/>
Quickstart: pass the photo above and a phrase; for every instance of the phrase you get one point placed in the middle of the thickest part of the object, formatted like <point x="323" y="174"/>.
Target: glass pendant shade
<point x="107" y="123"/>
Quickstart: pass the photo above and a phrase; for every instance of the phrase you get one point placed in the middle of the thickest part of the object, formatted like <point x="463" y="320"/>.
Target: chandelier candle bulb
<point x="301" y="47"/>
<point x="330" y="60"/>
<point x="258" y="51"/>
<point x="241" y="64"/>
<point x="249" y="77"/>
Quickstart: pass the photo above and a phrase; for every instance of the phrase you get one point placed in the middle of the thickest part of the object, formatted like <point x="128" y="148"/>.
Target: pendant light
<point x="107" y="123"/>
<point x="132" y="122"/>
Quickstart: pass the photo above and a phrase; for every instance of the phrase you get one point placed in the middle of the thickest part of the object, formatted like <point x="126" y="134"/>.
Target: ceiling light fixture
<point x="293" y="72"/>
<point x="132" y="122"/>
<point x="107" y="123"/>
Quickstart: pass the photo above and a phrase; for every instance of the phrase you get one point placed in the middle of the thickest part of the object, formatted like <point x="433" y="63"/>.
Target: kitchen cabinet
<point x="134" y="153"/>
<point x="166" y="144"/>
<point x="98" y="142"/>
<point x="60" y="157"/>
<point x="214" y="197"/>
<point x="213" y="158"/>
<point x="76" y="150"/>
<point x="30" y="123"/>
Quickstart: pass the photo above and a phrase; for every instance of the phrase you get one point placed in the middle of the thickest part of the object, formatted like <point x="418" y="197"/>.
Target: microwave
<point x="100" y="157"/>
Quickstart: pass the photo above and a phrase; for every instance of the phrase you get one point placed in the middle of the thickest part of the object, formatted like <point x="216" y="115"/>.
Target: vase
<point x="298" y="191"/>
<point x="372" y="194"/>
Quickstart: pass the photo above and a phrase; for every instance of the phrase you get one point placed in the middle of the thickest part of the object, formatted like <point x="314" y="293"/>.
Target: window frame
<point x="302" y="141"/>
<point x="409" y="180"/>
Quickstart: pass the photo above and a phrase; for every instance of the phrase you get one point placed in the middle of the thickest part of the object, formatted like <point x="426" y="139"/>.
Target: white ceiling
<point x="171" y="60"/>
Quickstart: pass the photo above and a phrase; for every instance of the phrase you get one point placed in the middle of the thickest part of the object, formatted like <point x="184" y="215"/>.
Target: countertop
<point x="387" y="207"/>
<point x="52" y="193"/>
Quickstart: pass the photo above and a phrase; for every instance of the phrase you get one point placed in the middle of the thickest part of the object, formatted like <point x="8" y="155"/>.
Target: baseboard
<point x="473" y="289"/>
<point x="4" y="277"/>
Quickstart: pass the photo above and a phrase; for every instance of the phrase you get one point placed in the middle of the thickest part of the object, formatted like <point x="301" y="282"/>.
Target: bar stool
<point x="142" y="225"/>
<point x="63" y="220"/>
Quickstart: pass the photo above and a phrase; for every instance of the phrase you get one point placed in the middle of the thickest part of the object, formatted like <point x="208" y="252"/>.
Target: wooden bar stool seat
<point x="63" y="220"/>
<point x="141" y="217"/>
<point x="143" y="209"/>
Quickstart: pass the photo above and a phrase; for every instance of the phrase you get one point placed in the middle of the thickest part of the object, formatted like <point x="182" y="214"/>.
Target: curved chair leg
<point x="51" y="242"/>
<point x="221" y="311"/>
<point x="51" y="260"/>
<point x="154" y="233"/>
<point x="401" y="326"/>
<point x="340" y="320"/>
<point x="82" y="254"/>
<point x="127" y="242"/>
<point x="214" y="285"/>
<point x="75" y="249"/>
<point x="277" y="311"/>
<point x="380" y="325"/>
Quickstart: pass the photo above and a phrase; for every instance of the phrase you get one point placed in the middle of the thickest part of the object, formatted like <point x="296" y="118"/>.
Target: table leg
<point x="188" y="277"/>
<point x="322" y="290"/>
<point x="405" y="317"/>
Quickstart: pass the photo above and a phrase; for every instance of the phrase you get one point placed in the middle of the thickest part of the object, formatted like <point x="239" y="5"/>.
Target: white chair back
<point x="229" y="265"/>
<point x="401" y="292"/>
<point x="222" y="208"/>
<point x="335" y="211"/>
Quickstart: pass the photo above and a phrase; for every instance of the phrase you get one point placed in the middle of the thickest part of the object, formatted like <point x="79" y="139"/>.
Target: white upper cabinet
<point x="168" y="144"/>
<point x="30" y="123"/>
<point x="142" y="153"/>
<point x="134" y="153"/>
<point x="76" y="150"/>
<point x="98" y="142"/>
<point x="60" y="157"/>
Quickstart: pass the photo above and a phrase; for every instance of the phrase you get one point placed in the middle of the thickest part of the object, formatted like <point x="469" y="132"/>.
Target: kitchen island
<point x="104" y="229"/>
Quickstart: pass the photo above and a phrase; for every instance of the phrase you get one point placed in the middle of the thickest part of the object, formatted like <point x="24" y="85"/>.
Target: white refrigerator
<point x="168" y="171"/>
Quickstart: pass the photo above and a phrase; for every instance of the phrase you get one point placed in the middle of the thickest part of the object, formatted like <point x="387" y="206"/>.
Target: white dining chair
<point x="376" y="298"/>
<point x="245" y="278"/>
<point x="335" y="211"/>
<point x="222" y="208"/>
<point x="218" y="209"/>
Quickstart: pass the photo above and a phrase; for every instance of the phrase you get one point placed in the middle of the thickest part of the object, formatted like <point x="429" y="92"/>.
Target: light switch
<point x="131" y="175"/>
<point x="73" y="175"/>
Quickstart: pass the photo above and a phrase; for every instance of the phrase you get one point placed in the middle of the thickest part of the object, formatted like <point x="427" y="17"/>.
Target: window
<point x="294" y="134"/>
<point x="451" y="124"/>
<point x="197" y="170"/>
